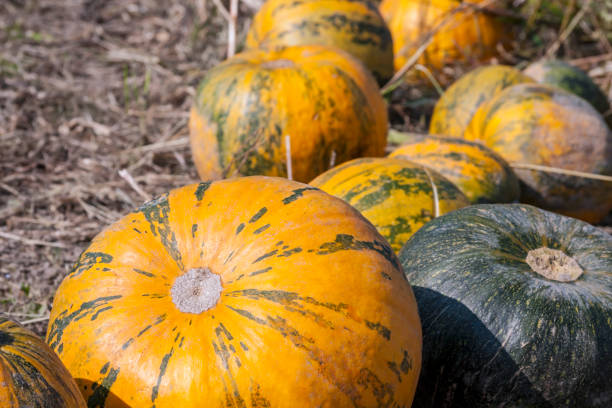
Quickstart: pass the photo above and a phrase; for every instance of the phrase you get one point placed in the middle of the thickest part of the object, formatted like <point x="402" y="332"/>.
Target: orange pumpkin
<point x="288" y="298"/>
<point x="31" y="374"/>
<point x="323" y="99"/>
<point x="397" y="196"/>
<point x="466" y="35"/>
<point x="353" y="26"/>
<point x="459" y="102"/>
<point x="480" y="173"/>
<point x="537" y="124"/>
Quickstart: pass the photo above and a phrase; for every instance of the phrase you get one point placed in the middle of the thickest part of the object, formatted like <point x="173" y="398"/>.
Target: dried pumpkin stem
<point x="553" y="264"/>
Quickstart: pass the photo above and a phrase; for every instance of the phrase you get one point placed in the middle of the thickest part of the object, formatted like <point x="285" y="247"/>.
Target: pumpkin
<point x="353" y="26"/>
<point x="397" y="196"/>
<point x="323" y="99"/>
<point x="31" y="374"/>
<point x="481" y="174"/>
<point x="465" y="35"/>
<point x="288" y="298"/>
<point x="543" y="125"/>
<point x="516" y="307"/>
<point x="457" y="105"/>
<point x="570" y="78"/>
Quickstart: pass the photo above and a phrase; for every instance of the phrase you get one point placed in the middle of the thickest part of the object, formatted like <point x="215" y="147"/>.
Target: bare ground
<point x="94" y="98"/>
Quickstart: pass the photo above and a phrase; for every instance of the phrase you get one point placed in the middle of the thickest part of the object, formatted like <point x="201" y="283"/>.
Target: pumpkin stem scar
<point x="196" y="291"/>
<point x="278" y="63"/>
<point x="553" y="264"/>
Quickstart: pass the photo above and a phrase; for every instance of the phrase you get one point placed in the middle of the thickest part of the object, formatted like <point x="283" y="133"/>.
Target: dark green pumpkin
<point x="498" y="333"/>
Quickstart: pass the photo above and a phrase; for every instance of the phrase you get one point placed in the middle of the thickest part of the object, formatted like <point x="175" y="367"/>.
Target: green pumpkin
<point x="516" y="308"/>
<point x="563" y="75"/>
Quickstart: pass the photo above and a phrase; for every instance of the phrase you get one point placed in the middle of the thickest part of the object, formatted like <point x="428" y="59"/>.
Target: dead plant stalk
<point x="569" y="29"/>
<point x="231" y="17"/>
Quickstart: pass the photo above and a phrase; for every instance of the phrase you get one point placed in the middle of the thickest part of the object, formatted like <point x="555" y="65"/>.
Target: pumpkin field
<point x="335" y="203"/>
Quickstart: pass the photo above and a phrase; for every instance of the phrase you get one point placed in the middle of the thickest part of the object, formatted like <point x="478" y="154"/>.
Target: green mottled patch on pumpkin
<point x="261" y="229"/>
<point x="260" y="213"/>
<point x="386" y="186"/>
<point x="239" y="228"/>
<point x="201" y="189"/>
<point x="88" y="260"/>
<point x="145" y="273"/>
<point x="162" y="371"/>
<point x="101" y="390"/>
<point x="297" y="193"/>
<point x="345" y="242"/>
<point x="59" y="324"/>
<point x="563" y="75"/>
<point x="156" y="213"/>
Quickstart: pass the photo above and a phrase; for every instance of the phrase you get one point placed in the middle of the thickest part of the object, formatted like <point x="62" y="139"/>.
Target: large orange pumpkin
<point x="537" y="124"/>
<point x="465" y="35"/>
<point x="288" y="298"/>
<point x="397" y="196"/>
<point x="354" y="26"/>
<point x="31" y="375"/>
<point x="323" y="99"/>
<point x="459" y="102"/>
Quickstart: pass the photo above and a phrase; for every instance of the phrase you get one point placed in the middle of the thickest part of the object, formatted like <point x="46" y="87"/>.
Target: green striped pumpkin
<point x="539" y="124"/>
<point x="31" y="374"/>
<point x="320" y="99"/>
<point x="480" y="173"/>
<point x="572" y="79"/>
<point x="516" y="307"/>
<point x="397" y="196"/>
<point x="455" y="108"/>
<point x="354" y="26"/>
<point x="253" y="291"/>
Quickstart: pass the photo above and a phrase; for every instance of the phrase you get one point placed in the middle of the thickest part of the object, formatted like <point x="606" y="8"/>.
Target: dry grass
<point x="87" y="89"/>
<point x="94" y="97"/>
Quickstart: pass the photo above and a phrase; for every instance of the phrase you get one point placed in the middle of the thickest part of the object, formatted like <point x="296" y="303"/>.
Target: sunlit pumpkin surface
<point x="397" y="196"/>
<point x="313" y="309"/>
<point x="31" y="374"/>
<point x="455" y="108"/>
<point x="481" y="174"/>
<point x="461" y="36"/>
<point x="543" y="125"/>
<point x="354" y="26"/>
<point x="323" y="99"/>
